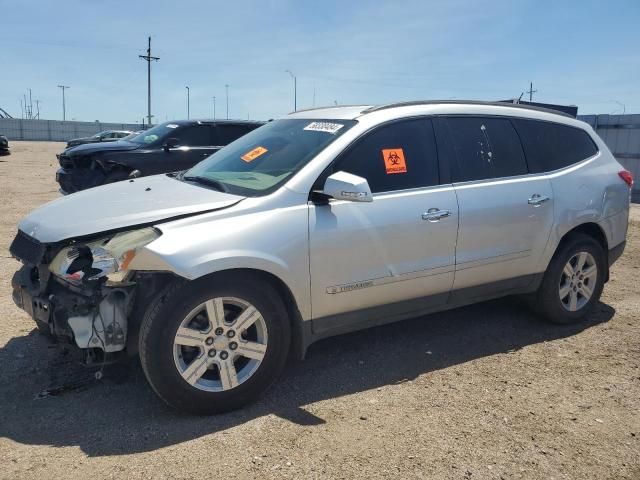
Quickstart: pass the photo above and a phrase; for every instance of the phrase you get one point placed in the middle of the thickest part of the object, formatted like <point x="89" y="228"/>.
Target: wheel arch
<point x="297" y="346"/>
<point x="590" y="229"/>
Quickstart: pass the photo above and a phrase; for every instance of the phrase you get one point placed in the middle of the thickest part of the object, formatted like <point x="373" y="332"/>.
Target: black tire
<point x="547" y="298"/>
<point x="163" y="317"/>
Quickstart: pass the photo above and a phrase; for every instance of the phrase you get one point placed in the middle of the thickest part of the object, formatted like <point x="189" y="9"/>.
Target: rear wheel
<point x="211" y="346"/>
<point x="574" y="280"/>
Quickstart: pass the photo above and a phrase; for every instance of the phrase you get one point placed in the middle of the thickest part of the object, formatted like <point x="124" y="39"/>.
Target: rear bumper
<point x="616" y="252"/>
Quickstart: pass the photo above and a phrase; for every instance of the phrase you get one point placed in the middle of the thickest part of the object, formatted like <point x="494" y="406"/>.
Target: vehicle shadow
<point x="110" y="419"/>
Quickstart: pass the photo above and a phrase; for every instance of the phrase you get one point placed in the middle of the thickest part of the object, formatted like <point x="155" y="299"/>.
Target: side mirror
<point x="171" y="143"/>
<point x="135" y="173"/>
<point x="346" y="186"/>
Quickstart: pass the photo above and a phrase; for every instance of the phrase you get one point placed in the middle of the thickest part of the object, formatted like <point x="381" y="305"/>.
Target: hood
<point x="84" y="140"/>
<point x="88" y="148"/>
<point x="120" y="205"/>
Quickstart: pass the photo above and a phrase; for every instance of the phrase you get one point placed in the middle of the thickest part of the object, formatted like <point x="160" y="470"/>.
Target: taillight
<point x="627" y="177"/>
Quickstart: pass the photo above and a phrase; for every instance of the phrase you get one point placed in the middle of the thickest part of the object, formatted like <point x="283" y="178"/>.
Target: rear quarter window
<point x="550" y="146"/>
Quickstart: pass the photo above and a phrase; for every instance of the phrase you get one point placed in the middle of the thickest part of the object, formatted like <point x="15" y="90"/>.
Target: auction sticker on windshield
<point x="251" y="155"/>
<point x="327" y="127"/>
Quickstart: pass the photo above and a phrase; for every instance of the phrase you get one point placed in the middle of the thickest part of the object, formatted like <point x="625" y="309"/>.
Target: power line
<point x="149" y="58"/>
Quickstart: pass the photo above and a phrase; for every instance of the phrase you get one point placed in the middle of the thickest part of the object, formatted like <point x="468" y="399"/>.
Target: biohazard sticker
<point x="253" y="154"/>
<point x="394" y="160"/>
<point x="327" y="127"/>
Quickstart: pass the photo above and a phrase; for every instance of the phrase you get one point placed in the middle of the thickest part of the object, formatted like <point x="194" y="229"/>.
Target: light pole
<point x="214" y="108"/>
<point x="226" y="87"/>
<point x="295" y="90"/>
<point x="187" y="102"/>
<point x="64" y="108"/>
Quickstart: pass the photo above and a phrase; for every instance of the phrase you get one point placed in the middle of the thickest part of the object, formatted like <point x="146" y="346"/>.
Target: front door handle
<point x="435" y="214"/>
<point x="536" y="200"/>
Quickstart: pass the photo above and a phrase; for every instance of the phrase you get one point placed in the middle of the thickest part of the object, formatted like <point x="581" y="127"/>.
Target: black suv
<point x="169" y="147"/>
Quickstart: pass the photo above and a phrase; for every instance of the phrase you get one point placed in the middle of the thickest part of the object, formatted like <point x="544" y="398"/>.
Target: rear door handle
<point x="536" y="200"/>
<point x="435" y="214"/>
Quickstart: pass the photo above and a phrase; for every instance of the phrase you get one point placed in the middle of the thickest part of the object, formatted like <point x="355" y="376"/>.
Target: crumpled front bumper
<point x="75" y="179"/>
<point x="88" y="318"/>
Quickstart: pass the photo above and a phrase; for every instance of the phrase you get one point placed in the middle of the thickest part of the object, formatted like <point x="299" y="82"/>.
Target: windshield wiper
<point x="210" y="182"/>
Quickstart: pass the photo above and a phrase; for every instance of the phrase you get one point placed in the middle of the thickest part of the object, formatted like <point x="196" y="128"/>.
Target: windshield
<point x="259" y="162"/>
<point x="153" y="134"/>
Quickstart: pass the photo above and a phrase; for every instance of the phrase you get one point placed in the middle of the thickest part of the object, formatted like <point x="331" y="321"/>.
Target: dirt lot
<point x="486" y="391"/>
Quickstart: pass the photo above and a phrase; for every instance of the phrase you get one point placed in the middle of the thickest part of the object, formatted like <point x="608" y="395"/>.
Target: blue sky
<point x="576" y="52"/>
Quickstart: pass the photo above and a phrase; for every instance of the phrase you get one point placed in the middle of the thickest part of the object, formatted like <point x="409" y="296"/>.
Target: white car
<point x="320" y="223"/>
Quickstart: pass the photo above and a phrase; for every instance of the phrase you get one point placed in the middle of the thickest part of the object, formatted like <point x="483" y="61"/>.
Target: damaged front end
<point x="81" y="292"/>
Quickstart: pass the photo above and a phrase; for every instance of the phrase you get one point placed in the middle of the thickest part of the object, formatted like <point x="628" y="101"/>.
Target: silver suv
<point x="320" y="223"/>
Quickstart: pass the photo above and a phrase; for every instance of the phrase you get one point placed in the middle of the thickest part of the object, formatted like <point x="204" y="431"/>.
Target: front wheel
<point x="211" y="346"/>
<point x="574" y="280"/>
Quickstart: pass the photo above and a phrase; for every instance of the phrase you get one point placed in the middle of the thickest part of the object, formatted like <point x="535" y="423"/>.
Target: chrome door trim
<point x="497" y="259"/>
<point x="375" y="282"/>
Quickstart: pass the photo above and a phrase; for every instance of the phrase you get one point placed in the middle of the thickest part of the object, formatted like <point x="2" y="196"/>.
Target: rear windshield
<point x="261" y="161"/>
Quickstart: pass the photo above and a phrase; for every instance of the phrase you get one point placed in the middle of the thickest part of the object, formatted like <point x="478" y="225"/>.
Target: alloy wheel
<point x="220" y="344"/>
<point x="578" y="281"/>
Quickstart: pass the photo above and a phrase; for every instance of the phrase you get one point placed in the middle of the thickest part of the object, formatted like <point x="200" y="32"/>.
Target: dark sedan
<point x="106" y="136"/>
<point x="168" y="147"/>
<point x="4" y="145"/>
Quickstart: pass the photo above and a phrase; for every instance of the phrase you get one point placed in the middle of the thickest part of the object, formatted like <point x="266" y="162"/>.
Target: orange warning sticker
<point x="394" y="160"/>
<point x="253" y="154"/>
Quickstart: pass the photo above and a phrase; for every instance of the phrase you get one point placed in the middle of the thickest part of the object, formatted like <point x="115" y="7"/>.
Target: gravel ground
<point x="487" y="391"/>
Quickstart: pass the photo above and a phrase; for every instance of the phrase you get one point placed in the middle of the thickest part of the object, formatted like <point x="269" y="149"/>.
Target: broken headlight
<point x="106" y="257"/>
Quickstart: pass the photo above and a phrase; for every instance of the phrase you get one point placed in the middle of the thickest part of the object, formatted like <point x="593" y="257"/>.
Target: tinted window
<point x="398" y="156"/>
<point x="550" y="146"/>
<point x="194" y="136"/>
<point x="482" y="148"/>
<point x="228" y="133"/>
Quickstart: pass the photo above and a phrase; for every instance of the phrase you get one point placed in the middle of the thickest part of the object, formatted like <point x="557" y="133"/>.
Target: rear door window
<point x="193" y="136"/>
<point x="550" y="146"/>
<point x="229" y="133"/>
<point x="479" y="148"/>
<point x="397" y="156"/>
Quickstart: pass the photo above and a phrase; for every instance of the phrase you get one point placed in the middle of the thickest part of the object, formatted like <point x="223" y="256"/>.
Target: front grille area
<point x="27" y="248"/>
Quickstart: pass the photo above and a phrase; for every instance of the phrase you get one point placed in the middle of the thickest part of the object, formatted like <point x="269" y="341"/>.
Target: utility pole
<point x="30" y="105"/>
<point x="531" y="91"/>
<point x="187" y="102"/>
<point x="226" y="87"/>
<point x="214" y="108"/>
<point x="64" y="108"/>
<point x="38" y="108"/>
<point x="148" y="59"/>
<point x="295" y="90"/>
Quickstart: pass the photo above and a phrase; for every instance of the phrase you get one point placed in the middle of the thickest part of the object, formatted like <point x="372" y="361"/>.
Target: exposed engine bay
<point x="81" y="293"/>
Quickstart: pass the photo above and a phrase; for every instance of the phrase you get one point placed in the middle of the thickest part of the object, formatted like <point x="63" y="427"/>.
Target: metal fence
<point x="55" y="130"/>
<point x="621" y="133"/>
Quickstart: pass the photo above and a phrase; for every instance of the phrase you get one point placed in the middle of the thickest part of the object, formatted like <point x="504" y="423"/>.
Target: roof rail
<point x="327" y="107"/>
<point x="464" y="102"/>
